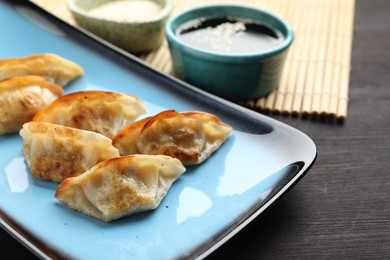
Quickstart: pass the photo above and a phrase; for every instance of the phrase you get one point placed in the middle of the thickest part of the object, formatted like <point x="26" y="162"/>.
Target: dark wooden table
<point x="341" y="208"/>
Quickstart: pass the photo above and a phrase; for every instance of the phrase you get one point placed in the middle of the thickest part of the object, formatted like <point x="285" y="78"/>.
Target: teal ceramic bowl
<point x="233" y="75"/>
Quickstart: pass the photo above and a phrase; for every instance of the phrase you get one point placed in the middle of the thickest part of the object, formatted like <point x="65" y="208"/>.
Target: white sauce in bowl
<point x="127" y="10"/>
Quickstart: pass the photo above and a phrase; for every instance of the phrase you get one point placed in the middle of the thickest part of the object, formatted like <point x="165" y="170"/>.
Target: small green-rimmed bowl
<point x="234" y="76"/>
<point x="136" y="36"/>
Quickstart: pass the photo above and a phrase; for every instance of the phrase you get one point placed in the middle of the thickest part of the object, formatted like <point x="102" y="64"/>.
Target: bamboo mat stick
<point x="333" y="104"/>
<point x="346" y="58"/>
<point x="160" y="58"/>
<point x="261" y="105"/>
<point x="334" y="98"/>
<point x="291" y="72"/>
<point x="310" y="79"/>
<point x="320" y="59"/>
<point x="288" y="81"/>
<point x="330" y="58"/>
<point x="167" y="67"/>
<point x="269" y="102"/>
<point x="281" y="91"/>
<point x="282" y="88"/>
<point x="303" y="33"/>
<point x="298" y="59"/>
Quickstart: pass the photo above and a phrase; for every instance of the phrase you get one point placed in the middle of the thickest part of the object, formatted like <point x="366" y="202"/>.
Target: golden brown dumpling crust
<point x="55" y="152"/>
<point x="98" y="111"/>
<point x="121" y="186"/>
<point x="190" y="137"/>
<point x="21" y="98"/>
<point x="126" y="140"/>
<point x="52" y="67"/>
<point x="173" y="134"/>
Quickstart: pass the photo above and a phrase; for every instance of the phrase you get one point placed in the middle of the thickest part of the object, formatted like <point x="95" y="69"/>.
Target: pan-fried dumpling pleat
<point x="21" y="98"/>
<point x="120" y="187"/>
<point x="99" y="111"/>
<point x="190" y="137"/>
<point x="126" y="140"/>
<point x="55" y="152"/>
<point x="52" y="67"/>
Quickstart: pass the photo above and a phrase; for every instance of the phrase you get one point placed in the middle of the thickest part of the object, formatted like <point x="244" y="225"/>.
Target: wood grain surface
<point x="341" y="208"/>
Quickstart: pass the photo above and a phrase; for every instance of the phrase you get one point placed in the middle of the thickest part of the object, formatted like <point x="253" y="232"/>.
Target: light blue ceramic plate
<point x="259" y="162"/>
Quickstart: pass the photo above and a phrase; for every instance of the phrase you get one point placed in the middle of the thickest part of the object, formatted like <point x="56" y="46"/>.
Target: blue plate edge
<point x="201" y="254"/>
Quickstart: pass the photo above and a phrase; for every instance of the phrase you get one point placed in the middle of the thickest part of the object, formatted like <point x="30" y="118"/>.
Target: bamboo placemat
<point x="315" y="80"/>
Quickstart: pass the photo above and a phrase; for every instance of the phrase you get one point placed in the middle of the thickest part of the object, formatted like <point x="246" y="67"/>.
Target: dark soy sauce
<point x="229" y="34"/>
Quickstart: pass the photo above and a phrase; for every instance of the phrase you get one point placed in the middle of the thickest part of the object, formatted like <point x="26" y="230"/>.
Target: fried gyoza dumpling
<point x="52" y="67"/>
<point x="190" y="137"/>
<point x="21" y="98"/>
<point x="99" y="111"/>
<point x="55" y="152"/>
<point x="120" y="187"/>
